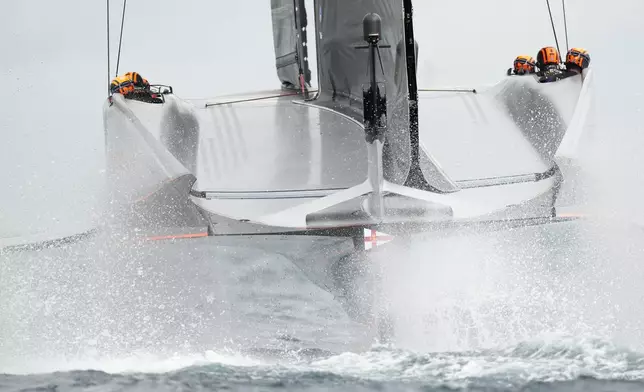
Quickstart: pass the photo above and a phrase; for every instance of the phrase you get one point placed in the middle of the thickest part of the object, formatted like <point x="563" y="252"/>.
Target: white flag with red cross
<point x="373" y="238"/>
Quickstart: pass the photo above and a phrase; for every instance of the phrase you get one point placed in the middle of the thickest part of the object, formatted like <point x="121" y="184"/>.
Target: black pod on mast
<point x="371" y="27"/>
<point x="374" y="96"/>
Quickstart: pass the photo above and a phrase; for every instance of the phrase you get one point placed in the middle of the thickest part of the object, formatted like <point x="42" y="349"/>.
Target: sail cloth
<point x="343" y="70"/>
<point x="289" y="39"/>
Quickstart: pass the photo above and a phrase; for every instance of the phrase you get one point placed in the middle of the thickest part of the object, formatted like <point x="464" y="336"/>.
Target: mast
<point x="415" y="178"/>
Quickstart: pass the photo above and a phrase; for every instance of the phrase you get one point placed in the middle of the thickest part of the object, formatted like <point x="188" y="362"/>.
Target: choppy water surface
<point x="565" y="364"/>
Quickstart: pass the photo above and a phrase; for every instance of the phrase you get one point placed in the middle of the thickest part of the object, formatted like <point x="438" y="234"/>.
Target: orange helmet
<point x="137" y="79"/>
<point x="577" y="57"/>
<point x="548" y="56"/>
<point x="122" y="85"/>
<point x="523" y="64"/>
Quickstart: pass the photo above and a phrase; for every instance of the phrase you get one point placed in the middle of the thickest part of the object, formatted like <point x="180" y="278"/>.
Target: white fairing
<point x="569" y="147"/>
<point x="509" y="129"/>
<point x="274" y="162"/>
<point x="138" y="163"/>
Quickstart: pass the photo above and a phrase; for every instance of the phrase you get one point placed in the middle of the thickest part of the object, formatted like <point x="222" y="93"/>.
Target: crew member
<point x="122" y="85"/>
<point x="134" y="86"/>
<point x="139" y="81"/>
<point x="549" y="64"/>
<point x="577" y="59"/>
<point x="523" y="65"/>
<point x="130" y="83"/>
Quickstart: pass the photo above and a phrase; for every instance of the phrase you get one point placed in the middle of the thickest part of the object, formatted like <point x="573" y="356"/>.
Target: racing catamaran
<point x="366" y="158"/>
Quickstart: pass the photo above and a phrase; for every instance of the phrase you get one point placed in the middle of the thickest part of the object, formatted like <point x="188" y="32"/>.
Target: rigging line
<point x="118" y="58"/>
<point x="563" y="4"/>
<point x="109" y="72"/>
<point x="552" y="22"/>
<point x="382" y="68"/>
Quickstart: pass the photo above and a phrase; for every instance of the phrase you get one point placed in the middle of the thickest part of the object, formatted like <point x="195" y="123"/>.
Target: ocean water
<point x="555" y="308"/>
<point x="570" y="365"/>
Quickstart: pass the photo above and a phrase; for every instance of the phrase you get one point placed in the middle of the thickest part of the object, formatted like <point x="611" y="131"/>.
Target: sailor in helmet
<point x="577" y="59"/>
<point x="549" y="64"/>
<point x="133" y="86"/>
<point x="121" y="85"/>
<point x="128" y="83"/>
<point x="523" y="65"/>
